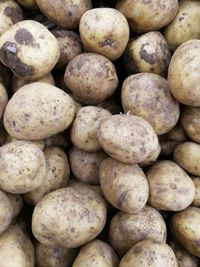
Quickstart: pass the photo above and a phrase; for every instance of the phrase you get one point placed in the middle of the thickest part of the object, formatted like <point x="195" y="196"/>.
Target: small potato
<point x="29" y="50"/>
<point x="16" y="203"/>
<point x="149" y="253"/>
<point x="170" y="188"/>
<point x="22" y="167"/>
<point x="6" y="211"/>
<point x="54" y="256"/>
<point x="30" y="4"/>
<point x="128" y="229"/>
<point x="127" y="138"/>
<point x="148" y="53"/>
<point x="39" y="143"/>
<point x="148" y="95"/>
<point x="124" y="186"/>
<point x="85" y="165"/>
<point x="57" y="175"/>
<point x="37" y="111"/>
<point x="196" y="201"/>
<point x="61" y="140"/>
<point x="91" y="78"/>
<point x="185" y="228"/>
<point x="85" y="126"/>
<point x="187" y="155"/>
<point x="104" y="31"/>
<point x="96" y="253"/>
<point x="69" y="217"/>
<point x="3" y="99"/>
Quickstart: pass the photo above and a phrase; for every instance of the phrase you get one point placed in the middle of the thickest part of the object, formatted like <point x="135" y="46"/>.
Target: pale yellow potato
<point x="3" y="99"/>
<point x="29" y="50"/>
<point x="37" y="111"/>
<point x="16" y="203"/>
<point x="128" y="229"/>
<point x="196" y="201"/>
<point x="30" y="4"/>
<point x="104" y="31"/>
<point x="39" y="143"/>
<point x="96" y="253"/>
<point x="170" y="187"/>
<point x="6" y="211"/>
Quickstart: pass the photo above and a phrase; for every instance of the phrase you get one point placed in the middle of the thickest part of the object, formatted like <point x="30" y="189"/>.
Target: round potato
<point x="128" y="229"/>
<point x="85" y="73"/>
<point x="148" y="53"/>
<point x="149" y="253"/>
<point x="16" y="203"/>
<point x="96" y="253"/>
<point x="148" y="95"/>
<point x="29" y="50"/>
<point x="104" y="31"/>
<point x="127" y="138"/>
<point x="124" y="186"/>
<point x="22" y="167"/>
<point x="3" y="99"/>
<point x="6" y="211"/>
<point x="196" y="201"/>
<point x="69" y="217"/>
<point x="30" y="4"/>
<point x="37" y="111"/>
<point x="171" y="190"/>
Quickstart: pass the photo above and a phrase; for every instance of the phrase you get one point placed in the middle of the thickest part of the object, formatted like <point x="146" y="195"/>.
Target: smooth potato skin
<point x="6" y="211"/>
<point x="3" y="99"/>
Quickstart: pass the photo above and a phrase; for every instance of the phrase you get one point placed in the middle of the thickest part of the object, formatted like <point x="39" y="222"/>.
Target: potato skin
<point x="196" y="201"/>
<point x="37" y="111"/>
<point x="104" y="31"/>
<point x="3" y="99"/>
<point x="151" y="158"/>
<point x="127" y="138"/>
<point x="69" y="217"/>
<point x="173" y="190"/>
<point x="128" y="229"/>
<point x="16" y="203"/>
<point x="148" y="95"/>
<point x="6" y="211"/>
<point x="85" y="73"/>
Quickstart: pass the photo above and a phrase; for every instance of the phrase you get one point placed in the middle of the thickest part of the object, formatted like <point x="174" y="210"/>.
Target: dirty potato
<point x="6" y="211"/>
<point x="16" y="203"/>
<point x="3" y="99"/>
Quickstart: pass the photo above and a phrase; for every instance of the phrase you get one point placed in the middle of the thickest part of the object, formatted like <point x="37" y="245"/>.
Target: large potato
<point x="128" y="229"/>
<point x="3" y="99"/>
<point x="148" y="95"/>
<point x="170" y="188"/>
<point x="127" y="138"/>
<point x="29" y="50"/>
<point x="104" y="31"/>
<point x="6" y="211"/>
<point x="16" y="202"/>
<point x="37" y="111"/>
<point x="69" y="217"/>
<point x="196" y="201"/>
<point x="22" y="167"/>
<point x="124" y="186"/>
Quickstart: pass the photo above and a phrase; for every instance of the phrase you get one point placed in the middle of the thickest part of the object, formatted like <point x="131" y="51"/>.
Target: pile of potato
<point x="99" y="133"/>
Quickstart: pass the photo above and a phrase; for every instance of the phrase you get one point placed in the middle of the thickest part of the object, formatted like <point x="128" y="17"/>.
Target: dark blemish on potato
<point x="24" y="37"/>
<point x="137" y="250"/>
<point x="108" y="42"/>
<point x="149" y="58"/>
<point x="15" y="14"/>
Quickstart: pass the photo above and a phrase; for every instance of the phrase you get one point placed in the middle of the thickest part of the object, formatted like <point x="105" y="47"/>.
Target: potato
<point x="152" y="158"/>
<point x="96" y="253"/>
<point x="148" y="53"/>
<point x="128" y="229"/>
<point x="37" y="111"/>
<point x="124" y="186"/>
<point x="185" y="25"/>
<point x="127" y="138"/>
<point x="16" y="249"/>
<point x="149" y="253"/>
<point x="184" y="75"/>
<point x="30" y="4"/>
<point x="29" y="50"/>
<point x="3" y="99"/>
<point x="171" y="190"/>
<point x="187" y="155"/>
<point x="85" y="125"/>
<point x="22" y="167"/>
<point x="148" y="95"/>
<point x="54" y="256"/>
<point x="85" y="165"/>
<point x="185" y="228"/>
<point x="104" y="31"/>
<point x="145" y="16"/>
<point x="6" y="211"/>
<point x="57" y="175"/>
<point x="10" y="13"/>
<point x="69" y="217"/>
<point x="196" y="201"/>
<point x="85" y="73"/>
<point x="61" y="140"/>
<point x="16" y="203"/>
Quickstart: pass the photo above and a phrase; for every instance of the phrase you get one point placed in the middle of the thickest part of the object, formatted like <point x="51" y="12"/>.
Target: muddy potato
<point x="85" y="125"/>
<point x="57" y="174"/>
<point x="30" y="4"/>
<point x="185" y="25"/>
<point x="22" y="167"/>
<point x="61" y="140"/>
<point x="29" y="50"/>
<point x="6" y="211"/>
<point x="16" y="203"/>
<point x="124" y="186"/>
<point x="196" y="201"/>
<point x="170" y="190"/>
<point x="149" y="253"/>
<point x="3" y="99"/>
<point x="148" y="53"/>
<point x="128" y="229"/>
<point x="37" y="111"/>
<point x="148" y="95"/>
<point x="91" y="78"/>
<point x="96" y="253"/>
<point x="152" y="158"/>
<point x="39" y="143"/>
<point x="104" y="31"/>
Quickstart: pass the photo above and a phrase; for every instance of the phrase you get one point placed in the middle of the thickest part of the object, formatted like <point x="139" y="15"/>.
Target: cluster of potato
<point x="99" y="133"/>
